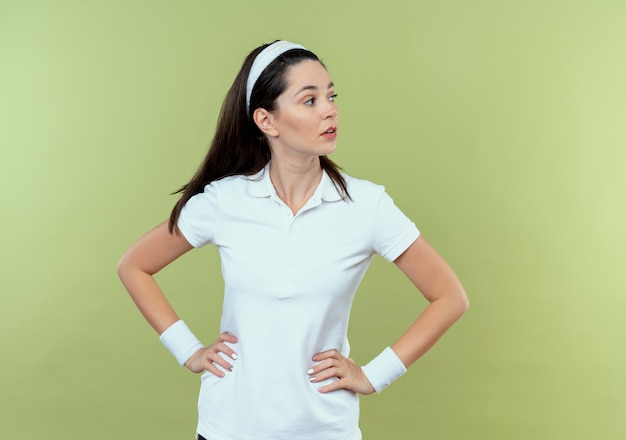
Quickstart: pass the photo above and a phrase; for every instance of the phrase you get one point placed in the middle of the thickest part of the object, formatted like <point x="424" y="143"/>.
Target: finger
<point x="223" y="348"/>
<point x="213" y="369"/>
<point x="228" y="337"/>
<point x="216" y="358"/>
<point x="326" y="355"/>
<point x="324" y="364"/>
<point x="325" y="374"/>
<point x="336" y="385"/>
<point x="327" y="369"/>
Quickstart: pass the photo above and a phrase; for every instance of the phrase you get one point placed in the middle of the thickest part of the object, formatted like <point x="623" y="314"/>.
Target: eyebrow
<point x="305" y="88"/>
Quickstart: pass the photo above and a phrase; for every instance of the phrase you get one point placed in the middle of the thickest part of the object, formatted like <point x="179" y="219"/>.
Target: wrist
<point x="180" y="341"/>
<point x="384" y="369"/>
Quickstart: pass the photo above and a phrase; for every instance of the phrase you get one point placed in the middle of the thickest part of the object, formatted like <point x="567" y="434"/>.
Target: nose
<point x="330" y="111"/>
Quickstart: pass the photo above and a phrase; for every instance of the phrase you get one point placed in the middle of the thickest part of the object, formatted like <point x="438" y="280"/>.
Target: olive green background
<point x="498" y="126"/>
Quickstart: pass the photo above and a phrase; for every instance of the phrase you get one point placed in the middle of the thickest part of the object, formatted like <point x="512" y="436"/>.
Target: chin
<point x="328" y="150"/>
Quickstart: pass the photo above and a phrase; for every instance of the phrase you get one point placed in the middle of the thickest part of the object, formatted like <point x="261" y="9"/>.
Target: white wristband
<point x="384" y="369"/>
<point x="180" y="341"/>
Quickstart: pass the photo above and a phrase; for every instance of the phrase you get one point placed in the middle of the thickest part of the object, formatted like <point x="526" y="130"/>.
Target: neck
<point x="294" y="181"/>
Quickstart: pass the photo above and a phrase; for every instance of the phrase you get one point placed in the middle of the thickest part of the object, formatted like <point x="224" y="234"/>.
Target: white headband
<point x="262" y="60"/>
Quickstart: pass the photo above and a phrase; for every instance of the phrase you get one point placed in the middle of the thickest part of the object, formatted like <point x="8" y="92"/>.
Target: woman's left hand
<point x="350" y="376"/>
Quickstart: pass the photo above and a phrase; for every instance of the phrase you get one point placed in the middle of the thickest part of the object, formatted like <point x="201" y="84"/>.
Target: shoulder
<point x="216" y="192"/>
<point x="361" y="189"/>
<point x="369" y="196"/>
<point x="228" y="182"/>
<point x="227" y="185"/>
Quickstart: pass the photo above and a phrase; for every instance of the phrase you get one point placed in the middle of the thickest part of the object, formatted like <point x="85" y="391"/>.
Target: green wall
<point x="498" y="126"/>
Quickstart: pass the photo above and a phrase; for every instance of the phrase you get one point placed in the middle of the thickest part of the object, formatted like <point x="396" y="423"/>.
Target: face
<point x="306" y="119"/>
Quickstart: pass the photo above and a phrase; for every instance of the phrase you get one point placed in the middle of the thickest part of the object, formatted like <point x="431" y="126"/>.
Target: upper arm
<point x="154" y="250"/>
<point x="429" y="272"/>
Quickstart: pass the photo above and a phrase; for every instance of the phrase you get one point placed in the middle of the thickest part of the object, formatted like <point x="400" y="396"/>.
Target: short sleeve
<point x="394" y="232"/>
<point x="198" y="218"/>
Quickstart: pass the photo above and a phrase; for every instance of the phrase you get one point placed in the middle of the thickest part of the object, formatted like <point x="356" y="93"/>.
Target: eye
<point x="309" y="101"/>
<point x="332" y="97"/>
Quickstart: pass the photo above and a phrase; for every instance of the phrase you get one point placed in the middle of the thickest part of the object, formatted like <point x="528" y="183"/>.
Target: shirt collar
<point x="260" y="185"/>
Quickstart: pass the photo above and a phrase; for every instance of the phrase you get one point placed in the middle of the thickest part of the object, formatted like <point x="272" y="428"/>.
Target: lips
<point x="330" y="133"/>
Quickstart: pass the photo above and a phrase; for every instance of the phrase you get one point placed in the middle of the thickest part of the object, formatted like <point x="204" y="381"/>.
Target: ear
<point x="265" y="121"/>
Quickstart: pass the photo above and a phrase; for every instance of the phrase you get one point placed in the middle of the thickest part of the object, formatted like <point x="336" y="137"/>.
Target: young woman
<point x="295" y="237"/>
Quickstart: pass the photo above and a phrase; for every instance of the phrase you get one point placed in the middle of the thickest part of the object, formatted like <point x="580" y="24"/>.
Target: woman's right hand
<point x="207" y="357"/>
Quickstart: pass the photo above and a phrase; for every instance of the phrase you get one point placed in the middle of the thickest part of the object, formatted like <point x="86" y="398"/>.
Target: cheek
<point x="302" y="127"/>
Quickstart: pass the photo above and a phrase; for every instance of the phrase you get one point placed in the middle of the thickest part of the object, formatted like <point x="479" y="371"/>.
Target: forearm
<point x="136" y="268"/>
<point x="148" y="298"/>
<point x="429" y="327"/>
<point x="153" y="304"/>
<point x="432" y="276"/>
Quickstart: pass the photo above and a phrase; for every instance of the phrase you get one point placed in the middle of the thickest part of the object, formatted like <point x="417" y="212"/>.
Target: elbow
<point x="131" y="270"/>
<point x="466" y="304"/>
<point x="463" y="302"/>
<point x="122" y="268"/>
<point x="457" y="301"/>
<point x="126" y="267"/>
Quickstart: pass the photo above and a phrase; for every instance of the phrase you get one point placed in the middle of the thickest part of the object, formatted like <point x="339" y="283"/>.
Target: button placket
<point x="288" y="280"/>
<point x="291" y="244"/>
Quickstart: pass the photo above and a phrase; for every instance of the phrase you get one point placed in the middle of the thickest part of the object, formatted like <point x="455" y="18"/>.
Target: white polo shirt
<point x="289" y="285"/>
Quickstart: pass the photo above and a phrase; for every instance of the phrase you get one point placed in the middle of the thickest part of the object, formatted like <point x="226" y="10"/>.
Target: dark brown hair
<point x="239" y="147"/>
